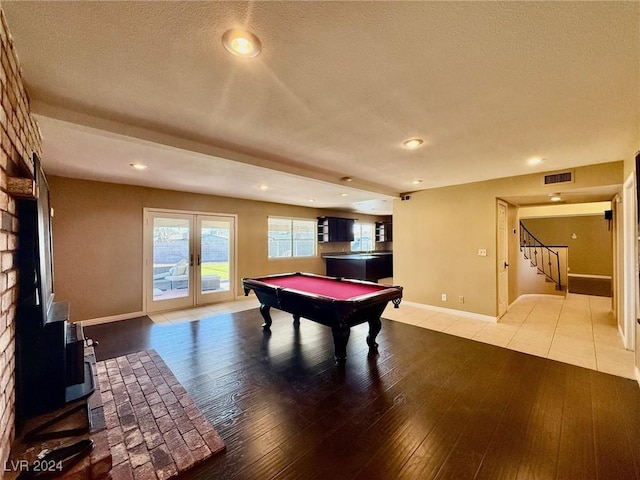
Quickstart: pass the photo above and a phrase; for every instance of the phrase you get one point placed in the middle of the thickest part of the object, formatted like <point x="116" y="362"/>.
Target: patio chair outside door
<point x="189" y="259"/>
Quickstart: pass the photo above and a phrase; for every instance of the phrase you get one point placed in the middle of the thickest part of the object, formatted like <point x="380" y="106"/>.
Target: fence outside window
<point x="291" y="238"/>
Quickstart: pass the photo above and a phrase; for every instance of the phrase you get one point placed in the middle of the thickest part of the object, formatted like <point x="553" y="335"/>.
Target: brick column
<point x="20" y="137"/>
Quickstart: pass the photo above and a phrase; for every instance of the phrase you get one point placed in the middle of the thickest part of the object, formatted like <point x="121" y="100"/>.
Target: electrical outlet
<point x="444" y="297"/>
<point x="482" y="252"/>
<point x="461" y="298"/>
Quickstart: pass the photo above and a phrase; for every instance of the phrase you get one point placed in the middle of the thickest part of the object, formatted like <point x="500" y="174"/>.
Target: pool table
<point x="332" y="301"/>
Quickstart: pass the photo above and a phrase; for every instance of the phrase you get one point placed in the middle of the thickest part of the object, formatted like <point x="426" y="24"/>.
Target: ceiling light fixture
<point x="416" y="182"/>
<point x="347" y="179"/>
<point x="556" y="198"/>
<point x="535" y="161"/>
<point x="241" y="43"/>
<point x="344" y="194"/>
<point x="138" y="166"/>
<point x="412" y="143"/>
<point x="263" y="187"/>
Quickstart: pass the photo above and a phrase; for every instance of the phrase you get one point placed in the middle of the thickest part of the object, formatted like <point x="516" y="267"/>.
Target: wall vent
<point x="558" y="177"/>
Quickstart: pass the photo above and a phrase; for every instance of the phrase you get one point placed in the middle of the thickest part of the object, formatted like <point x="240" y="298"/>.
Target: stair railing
<point x="540" y="256"/>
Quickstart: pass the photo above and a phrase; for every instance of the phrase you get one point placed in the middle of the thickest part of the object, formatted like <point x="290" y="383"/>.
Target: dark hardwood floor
<point x="429" y="405"/>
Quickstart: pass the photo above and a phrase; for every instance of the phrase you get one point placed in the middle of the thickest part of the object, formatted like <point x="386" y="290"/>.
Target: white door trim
<point x="502" y="259"/>
<point x="147" y="251"/>
<point x="629" y="262"/>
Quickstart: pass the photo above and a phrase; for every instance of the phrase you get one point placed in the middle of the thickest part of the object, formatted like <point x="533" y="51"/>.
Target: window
<point x="363" y="237"/>
<point x="289" y="237"/>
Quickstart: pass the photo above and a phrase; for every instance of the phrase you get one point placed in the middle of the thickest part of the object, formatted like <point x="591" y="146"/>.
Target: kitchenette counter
<point x="370" y="266"/>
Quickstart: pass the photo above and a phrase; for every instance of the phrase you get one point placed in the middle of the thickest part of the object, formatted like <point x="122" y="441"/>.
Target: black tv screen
<point x="44" y="265"/>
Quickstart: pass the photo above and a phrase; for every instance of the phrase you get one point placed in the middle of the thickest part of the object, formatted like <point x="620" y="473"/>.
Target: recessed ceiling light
<point x="311" y="200"/>
<point x="263" y="187"/>
<point x="416" y="182"/>
<point x="344" y="194"/>
<point x="139" y="166"/>
<point x="412" y="143"/>
<point x="241" y="43"/>
<point x="556" y="198"/>
<point x="535" y="160"/>
<point x="347" y="179"/>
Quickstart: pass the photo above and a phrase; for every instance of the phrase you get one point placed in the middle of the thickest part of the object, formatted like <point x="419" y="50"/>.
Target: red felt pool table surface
<point x="327" y="287"/>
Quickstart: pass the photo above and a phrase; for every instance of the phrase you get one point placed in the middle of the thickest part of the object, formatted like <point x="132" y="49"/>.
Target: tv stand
<point x="53" y="370"/>
<point x="82" y="390"/>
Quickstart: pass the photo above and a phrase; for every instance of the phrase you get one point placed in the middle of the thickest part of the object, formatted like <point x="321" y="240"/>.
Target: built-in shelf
<point x="335" y="229"/>
<point x="384" y="232"/>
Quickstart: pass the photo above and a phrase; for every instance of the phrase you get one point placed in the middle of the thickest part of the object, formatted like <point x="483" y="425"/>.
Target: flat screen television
<point x="44" y="258"/>
<point x="35" y="255"/>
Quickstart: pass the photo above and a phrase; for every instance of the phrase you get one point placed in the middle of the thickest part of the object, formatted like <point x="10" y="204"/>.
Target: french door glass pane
<point x="215" y="237"/>
<point x="171" y="257"/>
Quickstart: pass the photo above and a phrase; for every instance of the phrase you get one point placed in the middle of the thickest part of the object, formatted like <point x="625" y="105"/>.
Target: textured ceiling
<point x="337" y="88"/>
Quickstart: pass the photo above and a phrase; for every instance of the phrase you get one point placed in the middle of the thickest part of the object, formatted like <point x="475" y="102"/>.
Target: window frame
<point x="359" y="225"/>
<point x="292" y="249"/>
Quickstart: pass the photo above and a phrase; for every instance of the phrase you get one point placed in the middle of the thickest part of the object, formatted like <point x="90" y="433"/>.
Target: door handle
<point x="506" y="264"/>
<point x="198" y="259"/>
<point x="191" y="260"/>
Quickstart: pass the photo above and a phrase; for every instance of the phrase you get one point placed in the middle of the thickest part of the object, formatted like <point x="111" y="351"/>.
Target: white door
<point x="214" y="258"/>
<point x="502" y="256"/>
<point x="189" y="259"/>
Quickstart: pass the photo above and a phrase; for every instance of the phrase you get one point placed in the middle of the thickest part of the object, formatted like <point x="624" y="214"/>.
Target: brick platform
<point x="94" y="466"/>
<point x="154" y="429"/>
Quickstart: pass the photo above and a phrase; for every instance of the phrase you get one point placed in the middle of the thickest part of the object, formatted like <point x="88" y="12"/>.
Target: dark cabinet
<point x="384" y="232"/>
<point x="360" y="266"/>
<point x="335" y="229"/>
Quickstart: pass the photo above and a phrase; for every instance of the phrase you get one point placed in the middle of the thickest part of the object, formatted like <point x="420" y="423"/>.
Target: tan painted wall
<point x="98" y="246"/>
<point x="437" y="234"/>
<point x="564" y="210"/>
<point x="514" y="252"/>
<point x="532" y="282"/>
<point x="591" y="253"/>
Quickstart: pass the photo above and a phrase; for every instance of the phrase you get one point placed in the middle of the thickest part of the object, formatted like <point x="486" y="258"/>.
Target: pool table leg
<point x="375" y="325"/>
<point x="296" y="321"/>
<point x="264" y="310"/>
<point x="340" y="339"/>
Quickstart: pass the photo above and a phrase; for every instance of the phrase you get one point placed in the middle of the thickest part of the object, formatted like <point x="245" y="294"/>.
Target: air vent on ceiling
<point x="558" y="177"/>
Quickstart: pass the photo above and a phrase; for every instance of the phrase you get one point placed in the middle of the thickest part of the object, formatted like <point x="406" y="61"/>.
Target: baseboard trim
<point x="459" y="313"/>
<point x="112" y="318"/>
<point x="585" y="275"/>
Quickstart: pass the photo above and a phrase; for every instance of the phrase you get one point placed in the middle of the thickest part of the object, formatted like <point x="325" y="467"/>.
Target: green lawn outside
<point x="216" y="268"/>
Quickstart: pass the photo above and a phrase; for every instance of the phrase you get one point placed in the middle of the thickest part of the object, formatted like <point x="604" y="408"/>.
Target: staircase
<point x="546" y="260"/>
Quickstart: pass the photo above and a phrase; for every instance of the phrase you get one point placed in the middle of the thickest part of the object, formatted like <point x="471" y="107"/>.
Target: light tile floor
<point x="206" y="311"/>
<point x="578" y="329"/>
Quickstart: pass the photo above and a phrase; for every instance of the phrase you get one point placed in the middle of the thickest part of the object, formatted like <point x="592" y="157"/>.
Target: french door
<point x="189" y="259"/>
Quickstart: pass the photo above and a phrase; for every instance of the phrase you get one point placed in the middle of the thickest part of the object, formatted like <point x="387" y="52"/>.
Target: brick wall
<point x="20" y="137"/>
